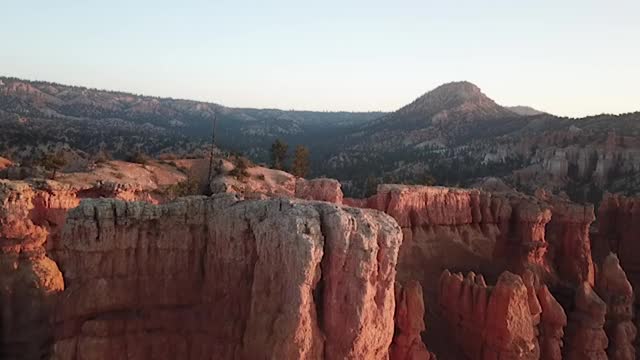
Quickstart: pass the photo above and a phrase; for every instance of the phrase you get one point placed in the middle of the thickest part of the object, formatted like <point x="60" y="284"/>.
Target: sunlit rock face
<point x="29" y="279"/>
<point x="487" y="232"/>
<point x="568" y="234"/>
<point x="319" y="189"/>
<point x="193" y="279"/>
<point x="495" y="322"/>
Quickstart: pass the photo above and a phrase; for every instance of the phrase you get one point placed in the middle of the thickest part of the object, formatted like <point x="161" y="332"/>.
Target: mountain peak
<point x="461" y="95"/>
<point x="459" y="89"/>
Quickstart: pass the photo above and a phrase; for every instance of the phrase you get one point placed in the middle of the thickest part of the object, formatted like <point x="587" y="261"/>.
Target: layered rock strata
<point x="487" y="232"/>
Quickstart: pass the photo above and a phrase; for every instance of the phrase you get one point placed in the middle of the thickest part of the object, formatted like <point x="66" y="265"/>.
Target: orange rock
<point x="319" y="189"/>
<point x="510" y="329"/>
<point x="568" y="232"/>
<point x="196" y="278"/>
<point x="407" y="343"/>
<point x="585" y="337"/>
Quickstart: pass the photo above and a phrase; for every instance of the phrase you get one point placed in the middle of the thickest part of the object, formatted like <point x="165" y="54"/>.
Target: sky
<point x="570" y="58"/>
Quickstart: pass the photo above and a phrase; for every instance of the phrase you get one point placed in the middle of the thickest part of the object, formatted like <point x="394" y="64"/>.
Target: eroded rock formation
<point x="568" y="232"/>
<point x="553" y="320"/>
<point x="319" y="189"/>
<point x="490" y="322"/>
<point x="616" y="291"/>
<point x="409" y="317"/>
<point x="195" y="278"/>
<point x="28" y="278"/>
<point x="585" y="336"/>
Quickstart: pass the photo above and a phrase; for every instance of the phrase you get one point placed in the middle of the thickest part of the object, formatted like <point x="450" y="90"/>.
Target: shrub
<point x="139" y="157"/>
<point x="187" y="187"/>
<point x="241" y="165"/>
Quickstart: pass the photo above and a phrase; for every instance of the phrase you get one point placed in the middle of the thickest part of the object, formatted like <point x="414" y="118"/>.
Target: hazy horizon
<point x="570" y="59"/>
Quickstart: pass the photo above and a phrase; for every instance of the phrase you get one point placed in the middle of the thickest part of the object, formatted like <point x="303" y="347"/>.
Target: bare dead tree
<point x="213" y="146"/>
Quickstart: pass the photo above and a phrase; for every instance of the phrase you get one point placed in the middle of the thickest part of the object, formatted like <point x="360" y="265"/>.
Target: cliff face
<point x="487" y="232"/>
<point x="619" y="226"/>
<point x="195" y="278"/>
<point x="29" y="279"/>
<point x="568" y="233"/>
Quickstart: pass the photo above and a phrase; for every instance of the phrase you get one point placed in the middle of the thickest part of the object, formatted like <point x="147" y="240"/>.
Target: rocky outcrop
<point x="195" y="278"/>
<point x="568" y="235"/>
<point x="619" y="225"/>
<point x="490" y="322"/>
<point x="585" y="337"/>
<point x="619" y="232"/>
<point x="122" y="191"/>
<point x="485" y="232"/>
<point x="29" y="279"/>
<point x="321" y="189"/>
<point x="409" y="316"/>
<point x="616" y="291"/>
<point x="261" y="183"/>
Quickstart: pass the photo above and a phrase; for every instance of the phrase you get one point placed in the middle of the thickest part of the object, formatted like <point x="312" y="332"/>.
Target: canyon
<point x="288" y="268"/>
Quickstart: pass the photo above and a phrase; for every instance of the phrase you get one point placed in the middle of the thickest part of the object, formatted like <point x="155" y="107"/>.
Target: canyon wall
<point x="488" y="232"/>
<point x="195" y="278"/>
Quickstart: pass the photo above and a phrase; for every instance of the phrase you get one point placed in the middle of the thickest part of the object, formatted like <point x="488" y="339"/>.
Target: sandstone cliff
<point x="195" y="278"/>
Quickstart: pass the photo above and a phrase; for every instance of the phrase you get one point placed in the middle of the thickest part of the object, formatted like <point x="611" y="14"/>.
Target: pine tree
<point x="53" y="162"/>
<point x="278" y="154"/>
<point x="300" y="166"/>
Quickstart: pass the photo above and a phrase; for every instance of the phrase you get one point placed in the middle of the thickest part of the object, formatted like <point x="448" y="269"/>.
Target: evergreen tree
<point x="53" y="162"/>
<point x="371" y="186"/>
<point x="278" y="154"/>
<point x="300" y="166"/>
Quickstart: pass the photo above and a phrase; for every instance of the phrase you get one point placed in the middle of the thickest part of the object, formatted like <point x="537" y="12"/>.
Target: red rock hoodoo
<point x="490" y="322"/>
<point x="616" y="291"/>
<point x="407" y="343"/>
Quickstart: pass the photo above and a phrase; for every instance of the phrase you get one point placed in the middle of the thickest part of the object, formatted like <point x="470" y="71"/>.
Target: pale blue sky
<point x="567" y="57"/>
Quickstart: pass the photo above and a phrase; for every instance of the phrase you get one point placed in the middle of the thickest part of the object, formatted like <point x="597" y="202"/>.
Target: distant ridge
<point x="525" y="110"/>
